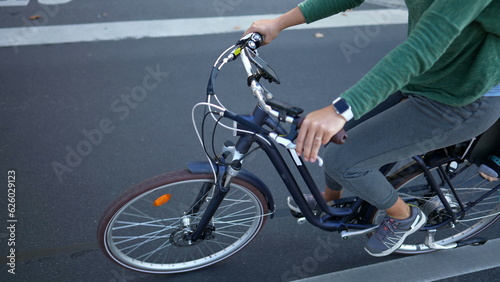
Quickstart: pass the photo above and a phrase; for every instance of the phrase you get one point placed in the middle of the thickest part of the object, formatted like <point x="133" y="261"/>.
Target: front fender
<point x="204" y="167"/>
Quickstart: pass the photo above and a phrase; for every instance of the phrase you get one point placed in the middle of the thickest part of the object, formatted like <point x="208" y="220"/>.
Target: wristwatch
<point x="342" y="108"/>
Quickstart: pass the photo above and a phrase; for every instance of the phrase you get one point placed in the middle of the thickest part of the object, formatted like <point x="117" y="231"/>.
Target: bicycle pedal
<point x="296" y="214"/>
<point x="300" y="217"/>
<point x="343" y="202"/>
<point x="301" y="220"/>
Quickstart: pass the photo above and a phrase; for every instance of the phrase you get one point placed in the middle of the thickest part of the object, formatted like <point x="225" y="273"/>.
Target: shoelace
<point x="389" y="225"/>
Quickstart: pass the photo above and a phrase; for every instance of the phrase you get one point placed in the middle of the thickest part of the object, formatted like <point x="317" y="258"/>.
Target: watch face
<point x="341" y="106"/>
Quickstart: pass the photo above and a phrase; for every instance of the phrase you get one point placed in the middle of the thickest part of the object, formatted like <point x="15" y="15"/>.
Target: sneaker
<point x="491" y="168"/>
<point x="391" y="234"/>
<point x="311" y="202"/>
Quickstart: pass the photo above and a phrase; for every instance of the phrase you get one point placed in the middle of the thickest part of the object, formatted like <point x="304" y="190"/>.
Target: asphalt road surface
<point x="81" y="120"/>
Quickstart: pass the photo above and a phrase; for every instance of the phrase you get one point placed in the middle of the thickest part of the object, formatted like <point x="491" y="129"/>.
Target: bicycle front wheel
<point x="413" y="188"/>
<point x="145" y="228"/>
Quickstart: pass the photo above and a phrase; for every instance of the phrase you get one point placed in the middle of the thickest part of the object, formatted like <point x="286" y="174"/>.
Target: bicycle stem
<point x="259" y="91"/>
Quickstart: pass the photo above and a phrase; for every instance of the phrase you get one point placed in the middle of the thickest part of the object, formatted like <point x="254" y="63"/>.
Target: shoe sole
<point x="297" y="210"/>
<point x="415" y="228"/>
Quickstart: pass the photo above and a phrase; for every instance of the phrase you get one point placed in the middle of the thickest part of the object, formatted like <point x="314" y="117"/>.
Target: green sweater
<point x="451" y="55"/>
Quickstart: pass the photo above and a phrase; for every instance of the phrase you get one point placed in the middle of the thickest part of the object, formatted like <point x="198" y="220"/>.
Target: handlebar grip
<point x="252" y="40"/>
<point x="338" y="138"/>
<point x="255" y="40"/>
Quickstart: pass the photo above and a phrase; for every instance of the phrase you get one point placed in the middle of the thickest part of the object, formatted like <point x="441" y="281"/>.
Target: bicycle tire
<point x="412" y="187"/>
<point x="140" y="236"/>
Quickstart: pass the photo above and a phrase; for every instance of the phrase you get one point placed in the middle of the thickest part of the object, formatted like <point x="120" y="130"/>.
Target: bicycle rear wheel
<point x="413" y="188"/>
<point x="145" y="227"/>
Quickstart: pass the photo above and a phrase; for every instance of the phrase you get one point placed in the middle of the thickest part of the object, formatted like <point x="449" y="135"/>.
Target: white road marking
<point x="12" y="3"/>
<point x="58" y="34"/>
<point x="53" y="2"/>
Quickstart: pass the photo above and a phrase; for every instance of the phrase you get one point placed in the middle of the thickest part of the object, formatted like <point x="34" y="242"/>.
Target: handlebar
<point x="254" y="41"/>
<point x="246" y="48"/>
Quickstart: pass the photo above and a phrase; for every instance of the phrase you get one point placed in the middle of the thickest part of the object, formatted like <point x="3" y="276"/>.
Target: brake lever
<point x="289" y="145"/>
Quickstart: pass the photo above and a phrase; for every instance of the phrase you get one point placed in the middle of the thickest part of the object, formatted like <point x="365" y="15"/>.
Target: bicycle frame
<point x="244" y="143"/>
<point x="336" y="218"/>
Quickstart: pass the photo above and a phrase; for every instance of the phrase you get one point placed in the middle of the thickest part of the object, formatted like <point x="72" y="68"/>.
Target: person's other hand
<point x="317" y="129"/>
<point x="270" y="29"/>
<point x="267" y="28"/>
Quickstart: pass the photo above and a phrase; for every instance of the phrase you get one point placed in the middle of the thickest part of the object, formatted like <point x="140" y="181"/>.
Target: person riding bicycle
<point x="441" y="75"/>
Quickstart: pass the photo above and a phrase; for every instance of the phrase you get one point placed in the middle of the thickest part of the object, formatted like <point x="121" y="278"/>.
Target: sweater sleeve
<point x="439" y="25"/>
<point x="314" y="10"/>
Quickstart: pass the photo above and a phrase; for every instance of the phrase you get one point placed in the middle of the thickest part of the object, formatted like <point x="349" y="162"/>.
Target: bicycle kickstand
<point x="431" y="243"/>
<point x="475" y="241"/>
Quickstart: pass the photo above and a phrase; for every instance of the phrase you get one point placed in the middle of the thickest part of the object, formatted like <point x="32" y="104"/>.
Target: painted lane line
<point x="17" y="3"/>
<point x="36" y="35"/>
<point x="54" y="2"/>
<point x="13" y="3"/>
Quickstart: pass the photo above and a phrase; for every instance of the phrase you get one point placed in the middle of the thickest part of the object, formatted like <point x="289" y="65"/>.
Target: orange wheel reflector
<point x="162" y="200"/>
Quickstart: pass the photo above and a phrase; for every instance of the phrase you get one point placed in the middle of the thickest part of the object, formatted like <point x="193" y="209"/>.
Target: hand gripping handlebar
<point x="338" y="138"/>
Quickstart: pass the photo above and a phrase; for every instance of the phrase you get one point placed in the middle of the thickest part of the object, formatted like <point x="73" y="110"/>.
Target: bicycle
<point x="189" y="219"/>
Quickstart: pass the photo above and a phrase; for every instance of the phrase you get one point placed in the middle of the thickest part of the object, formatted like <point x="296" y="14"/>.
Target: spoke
<point x="480" y="217"/>
<point x="149" y="254"/>
<point x="237" y="213"/>
<point x="487" y="203"/>
<point x="140" y="237"/>
<point x="238" y="200"/>
<point x="231" y="232"/>
<point x="219" y="243"/>
<point x="165" y="255"/>
<point x="142" y="213"/>
<point x="233" y="225"/>
<point x="201" y="252"/>
<point x="150" y="239"/>
<point x="144" y="216"/>
<point x="129" y="224"/>
<point x="208" y="246"/>
<point x="230" y="236"/>
<point x="235" y="222"/>
<point x="228" y="206"/>
<point x="235" y="202"/>
<point x="229" y="224"/>
<point x="472" y="189"/>
<point x="150" y="236"/>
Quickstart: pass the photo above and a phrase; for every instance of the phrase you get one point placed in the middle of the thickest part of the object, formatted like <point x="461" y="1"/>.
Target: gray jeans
<point x="398" y="130"/>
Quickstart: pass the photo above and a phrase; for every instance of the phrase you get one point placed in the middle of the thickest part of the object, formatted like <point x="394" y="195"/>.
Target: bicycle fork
<point x="222" y="186"/>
